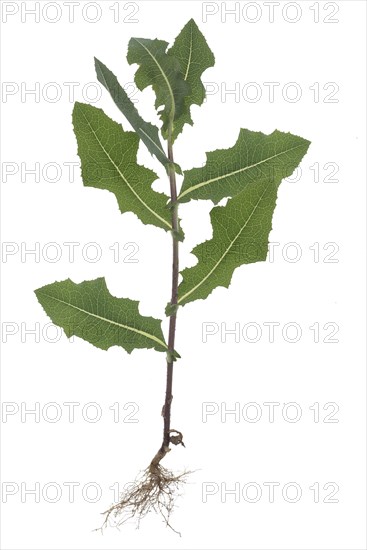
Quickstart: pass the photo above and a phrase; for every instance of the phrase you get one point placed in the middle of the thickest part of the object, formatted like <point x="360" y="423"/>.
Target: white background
<point x="224" y="373"/>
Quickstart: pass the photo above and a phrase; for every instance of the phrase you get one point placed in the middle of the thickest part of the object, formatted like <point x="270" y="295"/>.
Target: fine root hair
<point x="154" y="490"/>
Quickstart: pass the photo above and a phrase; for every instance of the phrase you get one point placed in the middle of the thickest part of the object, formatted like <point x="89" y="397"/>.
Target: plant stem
<point x="172" y="320"/>
<point x="166" y="411"/>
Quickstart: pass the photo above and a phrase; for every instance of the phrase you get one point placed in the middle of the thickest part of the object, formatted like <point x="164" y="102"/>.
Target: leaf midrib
<point x="225" y="252"/>
<point x="142" y="332"/>
<point x="207" y="182"/>
<point x="123" y="177"/>
<point x="172" y="114"/>
<point x="156" y="145"/>
<point x="190" y="54"/>
<point x="152" y="140"/>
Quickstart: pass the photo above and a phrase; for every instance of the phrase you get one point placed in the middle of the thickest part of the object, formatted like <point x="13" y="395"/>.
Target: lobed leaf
<point x="240" y="236"/>
<point x="108" y="158"/>
<point x="194" y="55"/>
<point x="255" y="157"/>
<point x="163" y="73"/>
<point x="89" y="311"/>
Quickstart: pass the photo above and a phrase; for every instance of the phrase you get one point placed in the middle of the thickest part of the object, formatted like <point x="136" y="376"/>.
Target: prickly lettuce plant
<point x="247" y="174"/>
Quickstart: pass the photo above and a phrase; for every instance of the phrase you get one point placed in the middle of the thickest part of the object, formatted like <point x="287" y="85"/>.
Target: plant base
<point x="155" y="490"/>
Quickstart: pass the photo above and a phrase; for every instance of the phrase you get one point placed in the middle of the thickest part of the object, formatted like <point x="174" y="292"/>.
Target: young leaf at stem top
<point x="163" y="73"/>
<point x="194" y="55"/>
<point x="147" y="132"/>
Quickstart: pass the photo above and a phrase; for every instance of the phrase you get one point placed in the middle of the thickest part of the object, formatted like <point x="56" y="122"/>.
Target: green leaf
<point x="162" y="72"/>
<point x="89" y="311"/>
<point x="108" y="157"/>
<point x="254" y="157"/>
<point x="147" y="132"/>
<point x="194" y="56"/>
<point x="171" y="309"/>
<point x="240" y="236"/>
<point x="172" y="356"/>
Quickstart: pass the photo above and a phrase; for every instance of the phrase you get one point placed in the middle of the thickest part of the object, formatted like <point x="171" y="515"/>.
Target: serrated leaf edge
<point x="142" y="332"/>
<point x="100" y="66"/>
<point x="123" y="177"/>
<point x="172" y="113"/>
<point x="240" y="170"/>
<point x="225" y="252"/>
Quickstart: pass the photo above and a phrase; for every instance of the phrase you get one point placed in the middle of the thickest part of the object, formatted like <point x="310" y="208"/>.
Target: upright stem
<point x="172" y="320"/>
<point x="166" y="411"/>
